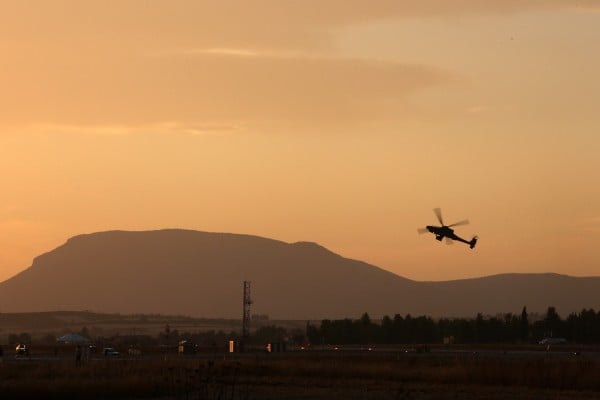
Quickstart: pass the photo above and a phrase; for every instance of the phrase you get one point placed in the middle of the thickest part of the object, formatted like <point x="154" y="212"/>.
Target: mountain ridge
<point x="187" y="272"/>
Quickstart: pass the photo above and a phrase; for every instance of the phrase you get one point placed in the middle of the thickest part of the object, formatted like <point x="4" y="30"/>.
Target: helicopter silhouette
<point x="446" y="231"/>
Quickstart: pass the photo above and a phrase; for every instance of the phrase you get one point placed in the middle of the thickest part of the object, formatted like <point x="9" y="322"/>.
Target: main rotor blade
<point x="449" y="241"/>
<point x="463" y="222"/>
<point x="422" y="231"/>
<point x="438" y="214"/>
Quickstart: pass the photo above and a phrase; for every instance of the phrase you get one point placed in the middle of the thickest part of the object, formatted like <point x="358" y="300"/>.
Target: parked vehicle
<point x="22" y="349"/>
<point x="553" y="340"/>
<point x="134" y="351"/>
<point x="110" y="352"/>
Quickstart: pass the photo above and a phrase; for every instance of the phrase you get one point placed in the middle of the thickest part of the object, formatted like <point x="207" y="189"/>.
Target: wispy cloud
<point x="225" y="51"/>
<point x="587" y="225"/>
<point x="594" y="224"/>
<point x="171" y="127"/>
<point x="275" y="54"/>
<point x="238" y="52"/>
<point x="476" y="109"/>
<point x="19" y="226"/>
<point x="269" y="60"/>
<point x="240" y="86"/>
<point x="588" y="6"/>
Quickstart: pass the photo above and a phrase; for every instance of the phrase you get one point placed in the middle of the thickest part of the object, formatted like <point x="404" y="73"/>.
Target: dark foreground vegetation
<point x="308" y="375"/>
<point x="492" y="357"/>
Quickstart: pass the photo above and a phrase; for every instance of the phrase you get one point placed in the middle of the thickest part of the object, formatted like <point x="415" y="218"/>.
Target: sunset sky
<point x="342" y="122"/>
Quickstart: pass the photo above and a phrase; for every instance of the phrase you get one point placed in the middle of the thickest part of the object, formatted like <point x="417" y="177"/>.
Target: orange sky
<point x="341" y="122"/>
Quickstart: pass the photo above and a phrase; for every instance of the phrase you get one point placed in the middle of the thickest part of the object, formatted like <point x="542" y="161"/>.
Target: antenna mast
<point x="246" y="315"/>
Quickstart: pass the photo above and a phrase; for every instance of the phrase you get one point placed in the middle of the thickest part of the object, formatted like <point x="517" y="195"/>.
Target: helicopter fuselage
<point x="441" y="232"/>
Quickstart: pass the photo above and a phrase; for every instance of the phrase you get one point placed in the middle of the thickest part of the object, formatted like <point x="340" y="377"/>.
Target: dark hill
<point x="194" y="273"/>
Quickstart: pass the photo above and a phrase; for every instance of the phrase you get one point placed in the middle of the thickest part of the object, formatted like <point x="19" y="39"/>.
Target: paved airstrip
<point x="395" y="351"/>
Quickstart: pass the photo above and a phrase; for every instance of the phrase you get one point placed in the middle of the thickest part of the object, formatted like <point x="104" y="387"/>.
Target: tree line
<point x="582" y="327"/>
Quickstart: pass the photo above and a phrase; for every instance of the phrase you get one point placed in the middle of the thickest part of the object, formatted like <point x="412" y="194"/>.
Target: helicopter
<point x="446" y="231"/>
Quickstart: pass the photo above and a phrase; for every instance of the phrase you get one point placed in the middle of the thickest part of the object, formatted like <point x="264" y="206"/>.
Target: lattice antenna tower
<point x="246" y="315"/>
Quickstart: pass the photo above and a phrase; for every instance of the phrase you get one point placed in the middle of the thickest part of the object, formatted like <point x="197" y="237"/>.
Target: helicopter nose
<point x="429" y="228"/>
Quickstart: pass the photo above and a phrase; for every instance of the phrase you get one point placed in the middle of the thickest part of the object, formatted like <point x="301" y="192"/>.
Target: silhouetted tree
<point x="367" y="332"/>
<point x="48" y="339"/>
<point x="480" y="335"/>
<point x="266" y="334"/>
<point x="552" y="323"/>
<point x="314" y="335"/>
<point x="85" y="332"/>
<point x="297" y="336"/>
<point x="583" y="327"/>
<point x="524" y="333"/>
<point x="398" y="332"/>
<point x="387" y="332"/>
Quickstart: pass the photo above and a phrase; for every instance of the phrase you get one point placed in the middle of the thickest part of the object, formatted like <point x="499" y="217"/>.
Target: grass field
<point x="308" y="375"/>
<point x="350" y="372"/>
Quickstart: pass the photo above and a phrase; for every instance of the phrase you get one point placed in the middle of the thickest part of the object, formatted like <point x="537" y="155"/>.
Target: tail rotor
<point x="473" y="242"/>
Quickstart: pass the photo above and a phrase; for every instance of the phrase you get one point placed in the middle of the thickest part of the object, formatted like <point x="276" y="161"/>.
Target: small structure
<point x="276" y="347"/>
<point x="448" y="340"/>
<point x="186" y="347"/>
<point x="422" y="348"/>
<point x="73" y="338"/>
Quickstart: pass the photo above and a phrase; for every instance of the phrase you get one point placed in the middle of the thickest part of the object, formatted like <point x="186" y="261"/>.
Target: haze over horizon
<point x="341" y="122"/>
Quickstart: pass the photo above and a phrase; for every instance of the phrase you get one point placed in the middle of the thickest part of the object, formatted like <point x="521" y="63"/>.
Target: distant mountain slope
<point x="510" y="292"/>
<point x="182" y="272"/>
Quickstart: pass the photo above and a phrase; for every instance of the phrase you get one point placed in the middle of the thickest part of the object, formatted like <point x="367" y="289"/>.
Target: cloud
<point x="138" y="24"/>
<point x="225" y="51"/>
<point x="171" y="127"/>
<point x="476" y="109"/>
<point x="249" y="53"/>
<point x="73" y="63"/>
<point x="591" y="6"/>
<point x="593" y="225"/>
<point x="237" y="86"/>
<point x="587" y="225"/>
<point x="228" y="23"/>
<point x="16" y="225"/>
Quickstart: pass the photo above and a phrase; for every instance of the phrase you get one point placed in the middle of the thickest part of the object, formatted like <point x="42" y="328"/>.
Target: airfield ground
<point x="446" y="372"/>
